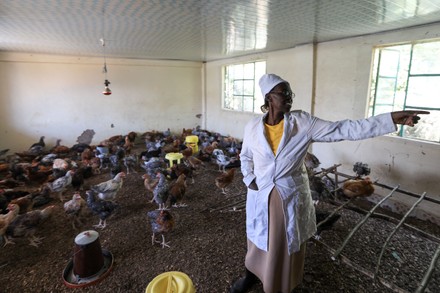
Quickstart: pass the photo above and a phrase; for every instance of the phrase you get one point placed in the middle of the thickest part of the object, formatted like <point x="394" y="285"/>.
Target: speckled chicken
<point x="162" y="222"/>
<point x="27" y="224"/>
<point x="160" y="192"/>
<point x="60" y="185"/>
<point x="102" y="208"/>
<point x="225" y="179"/>
<point x="109" y="189"/>
<point x="75" y="209"/>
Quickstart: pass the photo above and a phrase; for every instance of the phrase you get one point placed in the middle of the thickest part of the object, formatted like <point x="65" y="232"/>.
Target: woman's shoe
<point x="244" y="284"/>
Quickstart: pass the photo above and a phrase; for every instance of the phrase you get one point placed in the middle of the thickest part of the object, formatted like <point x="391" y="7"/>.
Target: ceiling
<point x="196" y="30"/>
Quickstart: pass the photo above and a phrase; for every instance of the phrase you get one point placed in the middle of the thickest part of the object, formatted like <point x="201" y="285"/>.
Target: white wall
<point x="341" y="70"/>
<point x="342" y="88"/>
<point x="60" y="97"/>
<point x="295" y="65"/>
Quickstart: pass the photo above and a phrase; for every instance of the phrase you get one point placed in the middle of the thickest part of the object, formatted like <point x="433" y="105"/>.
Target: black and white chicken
<point x="102" y="208"/>
<point x="162" y="222"/>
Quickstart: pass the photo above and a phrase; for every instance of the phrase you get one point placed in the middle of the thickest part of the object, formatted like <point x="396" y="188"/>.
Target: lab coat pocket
<point x="251" y="210"/>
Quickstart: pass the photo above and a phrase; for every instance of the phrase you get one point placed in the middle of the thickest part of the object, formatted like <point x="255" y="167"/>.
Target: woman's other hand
<point x="253" y="185"/>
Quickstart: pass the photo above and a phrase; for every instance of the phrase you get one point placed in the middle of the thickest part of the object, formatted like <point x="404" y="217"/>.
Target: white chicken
<point x="108" y="190"/>
<point x="61" y="184"/>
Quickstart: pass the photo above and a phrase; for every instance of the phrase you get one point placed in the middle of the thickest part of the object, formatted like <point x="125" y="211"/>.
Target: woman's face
<point x="280" y="98"/>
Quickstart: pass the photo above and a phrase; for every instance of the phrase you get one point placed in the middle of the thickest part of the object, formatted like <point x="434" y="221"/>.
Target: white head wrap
<point x="268" y="82"/>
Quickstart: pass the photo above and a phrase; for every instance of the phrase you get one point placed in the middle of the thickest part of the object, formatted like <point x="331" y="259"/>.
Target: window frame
<point x="374" y="102"/>
<point x="227" y="97"/>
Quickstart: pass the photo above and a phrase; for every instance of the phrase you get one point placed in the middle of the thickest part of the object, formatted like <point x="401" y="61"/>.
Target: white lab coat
<point x="286" y="171"/>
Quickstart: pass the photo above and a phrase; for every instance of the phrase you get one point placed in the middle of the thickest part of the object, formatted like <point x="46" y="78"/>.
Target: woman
<point x="280" y="216"/>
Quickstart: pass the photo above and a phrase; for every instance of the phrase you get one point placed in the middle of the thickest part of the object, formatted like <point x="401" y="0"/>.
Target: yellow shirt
<point x="274" y="134"/>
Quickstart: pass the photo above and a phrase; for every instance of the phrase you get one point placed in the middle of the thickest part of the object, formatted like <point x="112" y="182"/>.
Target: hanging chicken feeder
<point x="90" y="264"/>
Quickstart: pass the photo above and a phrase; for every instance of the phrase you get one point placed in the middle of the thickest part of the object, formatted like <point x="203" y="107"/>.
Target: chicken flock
<point x="33" y="183"/>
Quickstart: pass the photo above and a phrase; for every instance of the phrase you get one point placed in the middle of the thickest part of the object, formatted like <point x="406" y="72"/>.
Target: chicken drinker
<point x="171" y="282"/>
<point x="171" y="157"/>
<point x="192" y="141"/>
<point x="90" y="263"/>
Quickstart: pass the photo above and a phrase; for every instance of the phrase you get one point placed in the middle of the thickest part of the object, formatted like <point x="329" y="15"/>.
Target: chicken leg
<point x="102" y="224"/>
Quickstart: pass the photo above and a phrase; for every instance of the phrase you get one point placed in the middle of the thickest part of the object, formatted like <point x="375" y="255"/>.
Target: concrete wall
<point x="60" y="97"/>
<point x="332" y="80"/>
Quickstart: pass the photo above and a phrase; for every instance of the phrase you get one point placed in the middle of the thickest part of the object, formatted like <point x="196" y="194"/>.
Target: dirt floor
<point x="208" y="244"/>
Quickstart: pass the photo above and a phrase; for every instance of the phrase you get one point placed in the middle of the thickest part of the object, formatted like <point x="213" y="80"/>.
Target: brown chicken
<point x="26" y="225"/>
<point x="225" y="179"/>
<point x="177" y="191"/>
<point x="162" y="222"/>
<point x="193" y="162"/>
<point x="25" y="203"/>
<point x="358" y="187"/>
<point x="150" y="184"/>
<point x="187" y="152"/>
<point x="178" y="169"/>
<point x="6" y="219"/>
<point x="60" y="149"/>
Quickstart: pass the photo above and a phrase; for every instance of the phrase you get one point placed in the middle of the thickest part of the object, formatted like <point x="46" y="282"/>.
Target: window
<point x="241" y="90"/>
<point x="407" y="77"/>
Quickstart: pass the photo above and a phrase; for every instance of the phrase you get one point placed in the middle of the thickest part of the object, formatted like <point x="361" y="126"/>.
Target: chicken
<point x="149" y="183"/>
<point x="162" y="222"/>
<point x="60" y="185"/>
<point x="26" y="225"/>
<point x="41" y="196"/>
<point x="87" y="155"/>
<point x="80" y="174"/>
<point x="6" y="219"/>
<point x="177" y="191"/>
<point x="225" y="179"/>
<point x="187" y="152"/>
<point x="130" y="163"/>
<point x="323" y="223"/>
<point x="358" y="187"/>
<point x="311" y="162"/>
<point x="160" y="192"/>
<point x="60" y="149"/>
<point x="221" y="159"/>
<point x="128" y="145"/>
<point x="108" y="190"/>
<point x="102" y="208"/>
<point x="10" y="183"/>
<point x="182" y="168"/>
<point x="38" y="147"/>
<point x="361" y="169"/>
<point x="193" y="162"/>
<point x="25" y="203"/>
<point x="75" y="209"/>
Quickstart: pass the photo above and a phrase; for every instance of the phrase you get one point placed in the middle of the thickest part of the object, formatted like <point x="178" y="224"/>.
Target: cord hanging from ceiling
<point x="107" y="91"/>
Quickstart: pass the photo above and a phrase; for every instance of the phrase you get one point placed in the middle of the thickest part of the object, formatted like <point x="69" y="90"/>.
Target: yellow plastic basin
<point x="171" y="282"/>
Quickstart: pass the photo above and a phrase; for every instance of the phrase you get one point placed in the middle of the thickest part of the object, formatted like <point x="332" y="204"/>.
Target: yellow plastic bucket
<point x="192" y="141"/>
<point x="171" y="282"/>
